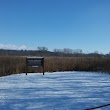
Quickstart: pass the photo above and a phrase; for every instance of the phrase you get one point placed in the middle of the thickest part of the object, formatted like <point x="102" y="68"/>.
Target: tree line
<point x="43" y="51"/>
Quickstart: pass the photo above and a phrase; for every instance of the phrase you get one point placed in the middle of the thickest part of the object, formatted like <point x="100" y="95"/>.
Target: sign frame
<point x="34" y="62"/>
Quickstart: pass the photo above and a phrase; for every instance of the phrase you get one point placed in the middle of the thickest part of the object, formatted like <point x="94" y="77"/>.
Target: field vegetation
<point x="17" y="64"/>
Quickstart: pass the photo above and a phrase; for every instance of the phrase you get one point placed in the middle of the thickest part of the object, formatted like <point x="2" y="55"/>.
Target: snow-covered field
<point x="54" y="91"/>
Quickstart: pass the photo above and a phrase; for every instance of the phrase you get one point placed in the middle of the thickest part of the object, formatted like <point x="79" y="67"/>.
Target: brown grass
<point x="12" y="65"/>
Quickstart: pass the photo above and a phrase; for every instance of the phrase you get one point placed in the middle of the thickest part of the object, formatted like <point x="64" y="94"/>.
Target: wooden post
<point x="26" y="66"/>
<point x="43" y="65"/>
<point x="26" y="69"/>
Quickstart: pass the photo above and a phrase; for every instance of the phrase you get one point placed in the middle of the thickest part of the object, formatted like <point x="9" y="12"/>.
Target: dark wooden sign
<point x="34" y="62"/>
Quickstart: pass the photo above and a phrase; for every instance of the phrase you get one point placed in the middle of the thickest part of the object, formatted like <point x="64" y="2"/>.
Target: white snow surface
<point x="54" y="91"/>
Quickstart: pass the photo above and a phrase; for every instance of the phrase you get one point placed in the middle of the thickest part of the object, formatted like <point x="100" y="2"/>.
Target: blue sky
<point x="75" y="24"/>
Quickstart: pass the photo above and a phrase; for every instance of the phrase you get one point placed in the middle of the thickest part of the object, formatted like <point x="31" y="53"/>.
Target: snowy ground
<point x="54" y="91"/>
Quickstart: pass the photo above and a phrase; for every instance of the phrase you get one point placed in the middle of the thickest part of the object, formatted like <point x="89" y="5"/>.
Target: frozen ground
<point x="54" y="91"/>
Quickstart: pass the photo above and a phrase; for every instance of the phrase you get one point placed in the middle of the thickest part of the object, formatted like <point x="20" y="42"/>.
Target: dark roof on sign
<point x="35" y="57"/>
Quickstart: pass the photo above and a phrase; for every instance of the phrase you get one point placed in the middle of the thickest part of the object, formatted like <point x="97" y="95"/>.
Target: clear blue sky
<point x="75" y="24"/>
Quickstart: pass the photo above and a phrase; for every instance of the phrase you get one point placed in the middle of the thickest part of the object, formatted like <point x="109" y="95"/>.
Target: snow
<point x="54" y="91"/>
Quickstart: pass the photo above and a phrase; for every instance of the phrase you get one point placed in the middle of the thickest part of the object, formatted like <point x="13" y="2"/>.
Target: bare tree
<point x="68" y="51"/>
<point x="58" y="50"/>
<point x="78" y="51"/>
<point x="43" y="48"/>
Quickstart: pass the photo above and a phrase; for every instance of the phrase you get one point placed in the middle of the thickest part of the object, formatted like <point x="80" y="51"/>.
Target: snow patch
<point x="54" y="91"/>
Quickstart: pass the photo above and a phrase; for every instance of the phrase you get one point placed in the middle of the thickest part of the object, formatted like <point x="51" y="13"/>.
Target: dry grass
<point x="12" y="65"/>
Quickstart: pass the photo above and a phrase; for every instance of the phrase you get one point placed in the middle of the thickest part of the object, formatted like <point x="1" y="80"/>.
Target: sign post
<point x="34" y="62"/>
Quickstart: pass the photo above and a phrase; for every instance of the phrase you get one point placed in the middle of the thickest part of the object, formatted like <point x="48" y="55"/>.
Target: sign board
<point x="34" y="62"/>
